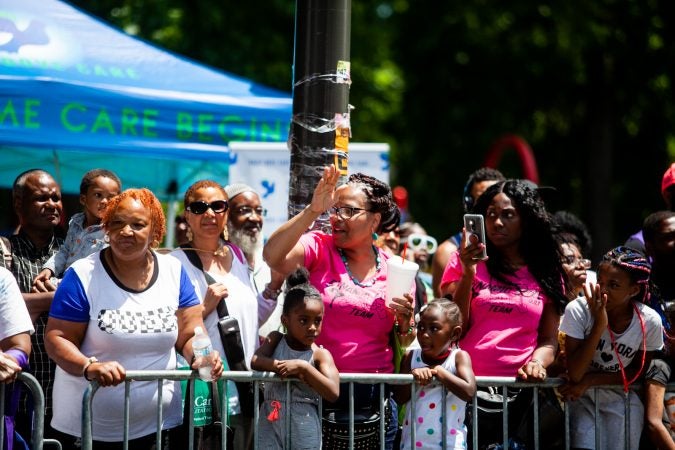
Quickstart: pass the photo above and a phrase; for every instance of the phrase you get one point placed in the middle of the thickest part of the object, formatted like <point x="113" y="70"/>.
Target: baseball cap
<point x="668" y="178"/>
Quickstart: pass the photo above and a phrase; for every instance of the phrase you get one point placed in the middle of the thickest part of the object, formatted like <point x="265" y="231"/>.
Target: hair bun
<point x="298" y="277"/>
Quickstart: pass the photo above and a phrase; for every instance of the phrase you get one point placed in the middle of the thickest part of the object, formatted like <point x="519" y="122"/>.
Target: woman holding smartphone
<point x="512" y="301"/>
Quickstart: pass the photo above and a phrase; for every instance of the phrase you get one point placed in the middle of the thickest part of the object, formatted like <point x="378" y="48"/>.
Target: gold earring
<point x="188" y="234"/>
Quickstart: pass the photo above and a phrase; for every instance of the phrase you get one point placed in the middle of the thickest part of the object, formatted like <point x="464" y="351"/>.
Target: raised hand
<point x="471" y="252"/>
<point x="324" y="193"/>
<point x="597" y="303"/>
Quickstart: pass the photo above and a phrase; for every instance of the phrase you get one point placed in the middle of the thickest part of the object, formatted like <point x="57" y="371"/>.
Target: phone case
<point x="475" y="224"/>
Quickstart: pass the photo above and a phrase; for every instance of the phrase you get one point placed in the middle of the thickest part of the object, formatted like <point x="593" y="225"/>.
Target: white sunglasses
<point x="422" y="242"/>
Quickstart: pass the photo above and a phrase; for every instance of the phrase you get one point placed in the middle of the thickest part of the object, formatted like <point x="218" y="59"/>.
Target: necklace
<point x="220" y="251"/>
<point x="626" y="383"/>
<point x="351" y="275"/>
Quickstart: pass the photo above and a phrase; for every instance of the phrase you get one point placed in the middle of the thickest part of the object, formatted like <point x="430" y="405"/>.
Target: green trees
<point x="587" y="84"/>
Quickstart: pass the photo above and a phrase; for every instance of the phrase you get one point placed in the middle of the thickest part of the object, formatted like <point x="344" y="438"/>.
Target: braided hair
<point x="379" y="199"/>
<point x="537" y="245"/>
<point x="635" y="264"/>
<point x="448" y="307"/>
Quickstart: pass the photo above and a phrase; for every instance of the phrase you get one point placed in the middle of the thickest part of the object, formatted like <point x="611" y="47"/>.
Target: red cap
<point x="668" y="178"/>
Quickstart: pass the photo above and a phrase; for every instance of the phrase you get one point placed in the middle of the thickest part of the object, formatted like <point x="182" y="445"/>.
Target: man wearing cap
<point x="637" y="240"/>
<point x="244" y="229"/>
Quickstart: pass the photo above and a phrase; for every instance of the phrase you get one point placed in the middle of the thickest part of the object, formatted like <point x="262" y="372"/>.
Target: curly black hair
<point x="537" y="245"/>
<point x="567" y="222"/>
<point x="380" y="200"/>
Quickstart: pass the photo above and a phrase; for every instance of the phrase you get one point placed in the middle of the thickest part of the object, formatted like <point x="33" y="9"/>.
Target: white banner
<point x="265" y="166"/>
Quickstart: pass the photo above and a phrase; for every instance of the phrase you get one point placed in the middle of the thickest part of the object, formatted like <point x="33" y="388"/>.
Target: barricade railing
<point x="503" y="383"/>
<point x="29" y="381"/>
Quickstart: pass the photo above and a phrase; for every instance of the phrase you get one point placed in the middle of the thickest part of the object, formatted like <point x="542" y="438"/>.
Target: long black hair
<point x="537" y="245"/>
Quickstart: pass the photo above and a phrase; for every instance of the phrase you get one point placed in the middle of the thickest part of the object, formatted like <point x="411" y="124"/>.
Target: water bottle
<point x="201" y="347"/>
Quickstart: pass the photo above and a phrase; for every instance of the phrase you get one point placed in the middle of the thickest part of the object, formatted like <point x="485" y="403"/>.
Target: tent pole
<point x="320" y="128"/>
<point x="171" y="209"/>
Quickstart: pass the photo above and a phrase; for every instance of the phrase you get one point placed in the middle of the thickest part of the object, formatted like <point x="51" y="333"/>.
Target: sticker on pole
<point x="343" y="72"/>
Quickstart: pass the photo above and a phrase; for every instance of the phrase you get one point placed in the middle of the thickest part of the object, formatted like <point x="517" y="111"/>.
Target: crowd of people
<point x="522" y="302"/>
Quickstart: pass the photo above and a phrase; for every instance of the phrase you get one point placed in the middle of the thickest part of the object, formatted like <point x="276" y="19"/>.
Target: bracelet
<point x="90" y="361"/>
<point x="536" y="361"/>
<point x="269" y="293"/>
<point x="19" y="355"/>
<point x="407" y="333"/>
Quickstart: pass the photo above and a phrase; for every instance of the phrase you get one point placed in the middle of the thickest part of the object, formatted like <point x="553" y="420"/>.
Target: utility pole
<point x="320" y="128"/>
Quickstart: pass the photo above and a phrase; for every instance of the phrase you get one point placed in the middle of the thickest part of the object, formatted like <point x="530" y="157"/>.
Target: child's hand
<point x="597" y="303"/>
<point x="293" y="368"/>
<point x="423" y="375"/>
<point x="572" y="391"/>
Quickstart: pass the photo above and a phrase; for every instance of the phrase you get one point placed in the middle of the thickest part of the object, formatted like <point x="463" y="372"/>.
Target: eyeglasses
<point x="200" y="207"/>
<point x="246" y="211"/>
<point x="346" y="212"/>
<point x="422" y="242"/>
<point x="573" y="261"/>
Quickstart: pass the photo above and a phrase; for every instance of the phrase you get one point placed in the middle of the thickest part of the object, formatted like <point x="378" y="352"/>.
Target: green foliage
<point x="587" y="84"/>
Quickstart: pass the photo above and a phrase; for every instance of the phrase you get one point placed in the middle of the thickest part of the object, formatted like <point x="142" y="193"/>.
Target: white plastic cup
<point x="400" y="277"/>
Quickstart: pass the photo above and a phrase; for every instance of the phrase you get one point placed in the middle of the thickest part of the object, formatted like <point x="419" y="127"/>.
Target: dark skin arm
<point x="547" y="344"/>
<point x="324" y="378"/>
<point x="188" y="319"/>
<point x="63" y="339"/>
<point x="573" y="390"/>
<point x="38" y="303"/>
<point x="462" y="384"/>
<point x="9" y="368"/>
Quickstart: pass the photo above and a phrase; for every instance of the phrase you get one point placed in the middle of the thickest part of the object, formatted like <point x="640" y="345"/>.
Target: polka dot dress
<point x="427" y="417"/>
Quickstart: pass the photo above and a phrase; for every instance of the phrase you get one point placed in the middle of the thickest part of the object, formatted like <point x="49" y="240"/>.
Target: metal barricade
<point x="37" y="438"/>
<point x="257" y="378"/>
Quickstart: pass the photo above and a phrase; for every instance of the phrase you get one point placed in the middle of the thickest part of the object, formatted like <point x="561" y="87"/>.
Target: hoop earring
<point x="106" y="238"/>
<point x="155" y="243"/>
<point x="188" y="234"/>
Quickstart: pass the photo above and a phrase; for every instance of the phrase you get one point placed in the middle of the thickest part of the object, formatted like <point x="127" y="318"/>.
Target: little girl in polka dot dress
<point x="439" y="358"/>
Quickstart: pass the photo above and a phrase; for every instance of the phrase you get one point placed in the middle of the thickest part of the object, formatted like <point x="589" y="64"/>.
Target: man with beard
<point x="244" y="229"/>
<point x="36" y="198"/>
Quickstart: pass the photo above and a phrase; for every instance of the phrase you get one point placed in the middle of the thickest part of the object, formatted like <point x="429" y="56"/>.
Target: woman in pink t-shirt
<point x="512" y="301"/>
<point x="351" y="274"/>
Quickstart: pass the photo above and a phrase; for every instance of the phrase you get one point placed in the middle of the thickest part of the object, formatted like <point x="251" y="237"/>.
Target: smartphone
<point x="475" y="225"/>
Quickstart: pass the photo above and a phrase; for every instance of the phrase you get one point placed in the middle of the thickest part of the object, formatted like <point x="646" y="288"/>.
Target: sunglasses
<point x="422" y="242"/>
<point x="200" y="207"/>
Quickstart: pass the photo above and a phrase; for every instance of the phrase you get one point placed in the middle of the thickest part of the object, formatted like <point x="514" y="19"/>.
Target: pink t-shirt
<point x="356" y="323"/>
<point x="504" y="320"/>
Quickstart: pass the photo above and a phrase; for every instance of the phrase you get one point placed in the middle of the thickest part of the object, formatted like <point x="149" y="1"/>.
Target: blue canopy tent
<point x="76" y="94"/>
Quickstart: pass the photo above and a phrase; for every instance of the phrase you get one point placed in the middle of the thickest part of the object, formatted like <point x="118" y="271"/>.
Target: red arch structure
<point x="528" y="163"/>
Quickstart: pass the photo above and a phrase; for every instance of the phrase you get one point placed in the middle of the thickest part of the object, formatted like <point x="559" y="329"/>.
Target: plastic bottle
<point x="201" y="347"/>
